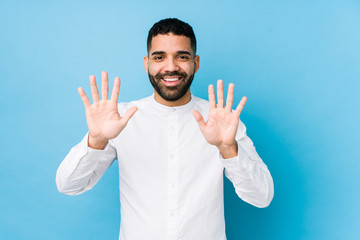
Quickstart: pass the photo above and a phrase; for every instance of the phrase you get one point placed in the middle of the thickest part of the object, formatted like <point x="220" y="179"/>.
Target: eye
<point x="158" y="58"/>
<point x="183" y="57"/>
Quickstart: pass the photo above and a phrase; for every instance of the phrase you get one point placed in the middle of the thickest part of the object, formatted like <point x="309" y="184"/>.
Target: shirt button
<point x="172" y="213"/>
<point x="173" y="109"/>
<point x="172" y="155"/>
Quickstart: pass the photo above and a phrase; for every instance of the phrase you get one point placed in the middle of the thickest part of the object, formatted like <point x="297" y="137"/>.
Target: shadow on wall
<point x="284" y="218"/>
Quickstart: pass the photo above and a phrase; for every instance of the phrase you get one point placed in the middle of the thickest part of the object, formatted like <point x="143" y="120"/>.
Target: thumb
<point x="199" y="118"/>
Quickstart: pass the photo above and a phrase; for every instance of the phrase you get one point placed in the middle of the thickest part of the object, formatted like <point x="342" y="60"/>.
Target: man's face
<point x="171" y="66"/>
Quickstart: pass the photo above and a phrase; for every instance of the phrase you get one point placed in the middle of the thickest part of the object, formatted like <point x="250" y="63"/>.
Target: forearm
<point x="250" y="176"/>
<point x="251" y="179"/>
<point x="82" y="168"/>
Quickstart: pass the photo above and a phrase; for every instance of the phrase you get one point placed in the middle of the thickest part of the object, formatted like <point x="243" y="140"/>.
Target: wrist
<point x="229" y="151"/>
<point x="97" y="143"/>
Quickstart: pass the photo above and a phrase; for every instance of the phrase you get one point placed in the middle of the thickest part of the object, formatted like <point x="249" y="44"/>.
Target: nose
<point x="171" y="65"/>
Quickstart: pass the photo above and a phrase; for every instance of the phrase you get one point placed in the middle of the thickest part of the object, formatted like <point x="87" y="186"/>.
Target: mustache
<point x="170" y="74"/>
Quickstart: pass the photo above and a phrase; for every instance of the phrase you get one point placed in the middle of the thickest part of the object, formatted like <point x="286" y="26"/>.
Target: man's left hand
<point x="221" y="126"/>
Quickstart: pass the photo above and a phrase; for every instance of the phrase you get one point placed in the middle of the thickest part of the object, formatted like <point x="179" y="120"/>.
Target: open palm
<point x="102" y="117"/>
<point x="222" y="123"/>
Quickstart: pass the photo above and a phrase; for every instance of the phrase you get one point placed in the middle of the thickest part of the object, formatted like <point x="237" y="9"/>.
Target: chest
<point x="160" y="145"/>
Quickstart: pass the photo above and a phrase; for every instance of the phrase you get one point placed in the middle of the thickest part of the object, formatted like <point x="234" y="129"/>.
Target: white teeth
<point x="171" y="79"/>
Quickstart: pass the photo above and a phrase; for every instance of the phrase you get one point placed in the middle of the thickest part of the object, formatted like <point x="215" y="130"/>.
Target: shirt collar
<point x="163" y="108"/>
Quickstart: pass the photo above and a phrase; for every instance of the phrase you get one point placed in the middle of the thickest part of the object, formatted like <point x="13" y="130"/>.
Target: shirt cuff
<point x="93" y="150"/>
<point x="86" y="153"/>
<point x="235" y="162"/>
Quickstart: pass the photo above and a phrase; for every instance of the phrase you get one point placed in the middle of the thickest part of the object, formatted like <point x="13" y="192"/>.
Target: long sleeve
<point x="249" y="175"/>
<point x="83" y="167"/>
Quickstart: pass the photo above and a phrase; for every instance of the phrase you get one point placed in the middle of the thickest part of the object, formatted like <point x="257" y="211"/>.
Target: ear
<point x="146" y="64"/>
<point x="197" y="62"/>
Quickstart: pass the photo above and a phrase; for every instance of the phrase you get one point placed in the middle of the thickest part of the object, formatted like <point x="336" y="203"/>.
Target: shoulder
<point x="201" y="105"/>
<point x="141" y="103"/>
<point x="199" y="102"/>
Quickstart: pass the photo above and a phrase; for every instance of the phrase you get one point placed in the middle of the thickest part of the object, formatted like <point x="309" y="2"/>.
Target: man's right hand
<point x="102" y="117"/>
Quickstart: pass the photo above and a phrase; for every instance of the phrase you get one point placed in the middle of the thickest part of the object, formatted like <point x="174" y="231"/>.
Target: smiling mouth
<point x="171" y="81"/>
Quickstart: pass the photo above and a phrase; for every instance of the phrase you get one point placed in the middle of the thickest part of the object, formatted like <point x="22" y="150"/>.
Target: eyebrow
<point x="184" y="52"/>
<point x="157" y="53"/>
<point x="178" y="52"/>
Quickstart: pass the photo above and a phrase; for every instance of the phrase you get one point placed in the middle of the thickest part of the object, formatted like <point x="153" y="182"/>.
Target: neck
<point x="182" y="101"/>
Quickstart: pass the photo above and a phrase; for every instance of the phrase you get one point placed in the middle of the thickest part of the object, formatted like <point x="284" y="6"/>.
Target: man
<point x="172" y="147"/>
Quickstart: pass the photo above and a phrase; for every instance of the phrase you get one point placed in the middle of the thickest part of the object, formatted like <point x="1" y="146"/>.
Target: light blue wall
<point x="298" y="62"/>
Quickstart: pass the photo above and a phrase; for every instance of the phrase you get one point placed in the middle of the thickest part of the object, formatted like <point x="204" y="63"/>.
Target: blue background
<point x="298" y="62"/>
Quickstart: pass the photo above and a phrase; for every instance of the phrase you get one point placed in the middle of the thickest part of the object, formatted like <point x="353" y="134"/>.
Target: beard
<point x="171" y="93"/>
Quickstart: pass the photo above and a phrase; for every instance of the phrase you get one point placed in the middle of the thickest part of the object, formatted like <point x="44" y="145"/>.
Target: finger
<point x="220" y="94"/>
<point x="199" y="118"/>
<point x="84" y="98"/>
<point x="116" y="90"/>
<point x="230" y="97"/>
<point x="212" y="101"/>
<point x="240" y="106"/>
<point x="128" y="114"/>
<point x="94" y="89"/>
<point x="104" y="85"/>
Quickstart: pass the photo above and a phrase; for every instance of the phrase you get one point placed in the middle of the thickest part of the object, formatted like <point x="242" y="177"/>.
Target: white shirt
<point x="171" y="179"/>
